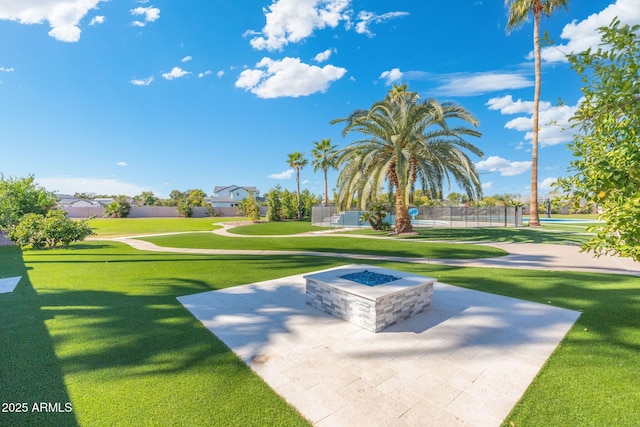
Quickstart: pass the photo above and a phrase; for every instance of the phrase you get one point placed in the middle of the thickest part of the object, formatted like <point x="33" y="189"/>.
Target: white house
<point x="230" y="196"/>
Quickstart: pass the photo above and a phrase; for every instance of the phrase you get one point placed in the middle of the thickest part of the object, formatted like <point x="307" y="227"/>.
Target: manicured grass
<point x="276" y="228"/>
<point x="513" y="235"/>
<point x="330" y="243"/>
<point x="128" y="226"/>
<point x="98" y="325"/>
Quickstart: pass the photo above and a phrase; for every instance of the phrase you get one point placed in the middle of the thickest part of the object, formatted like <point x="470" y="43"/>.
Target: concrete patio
<point x="464" y="362"/>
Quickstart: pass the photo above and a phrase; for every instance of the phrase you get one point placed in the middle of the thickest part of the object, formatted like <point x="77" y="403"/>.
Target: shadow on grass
<point x="30" y="371"/>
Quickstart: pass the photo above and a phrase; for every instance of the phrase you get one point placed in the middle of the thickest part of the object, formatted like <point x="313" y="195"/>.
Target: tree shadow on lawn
<point x="512" y="235"/>
<point x="30" y="371"/>
<point x="610" y="303"/>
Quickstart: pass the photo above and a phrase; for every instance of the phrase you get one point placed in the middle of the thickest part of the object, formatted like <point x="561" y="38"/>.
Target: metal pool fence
<point x="426" y="217"/>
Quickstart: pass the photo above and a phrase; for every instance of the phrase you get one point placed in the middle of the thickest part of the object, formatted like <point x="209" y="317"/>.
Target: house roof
<point x="219" y="188"/>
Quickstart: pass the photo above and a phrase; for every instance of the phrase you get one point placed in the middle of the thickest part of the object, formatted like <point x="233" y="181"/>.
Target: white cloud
<point x="504" y="166"/>
<point x="122" y="164"/>
<point x="553" y="120"/>
<point x="391" y="76"/>
<point x="582" y="35"/>
<point x="291" y="21"/>
<point x="288" y="174"/>
<point x="97" y="20"/>
<point x="366" y="18"/>
<point x="470" y="84"/>
<point x="142" y="82"/>
<point x="287" y="77"/>
<point x="63" y="15"/>
<point x="186" y="58"/>
<point x="220" y="73"/>
<point x="150" y="14"/>
<point x="175" y="73"/>
<point x="204" y="73"/>
<point x="323" y="56"/>
<point x="90" y="185"/>
<point x="6" y="70"/>
<point x="547" y="184"/>
<point x="486" y="186"/>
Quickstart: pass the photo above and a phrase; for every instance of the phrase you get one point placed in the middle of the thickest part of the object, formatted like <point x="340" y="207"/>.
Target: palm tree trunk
<point x="326" y="188"/>
<point x="534" y="219"/>
<point x="298" y="193"/>
<point x="403" y="220"/>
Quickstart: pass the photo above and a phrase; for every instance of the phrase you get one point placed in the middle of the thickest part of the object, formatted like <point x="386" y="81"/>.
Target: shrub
<point x="20" y="196"/>
<point x="119" y="208"/>
<point x="211" y="211"/>
<point x="185" y="209"/>
<point x="39" y="231"/>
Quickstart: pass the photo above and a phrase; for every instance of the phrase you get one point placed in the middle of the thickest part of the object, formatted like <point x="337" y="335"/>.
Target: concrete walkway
<point x="521" y="255"/>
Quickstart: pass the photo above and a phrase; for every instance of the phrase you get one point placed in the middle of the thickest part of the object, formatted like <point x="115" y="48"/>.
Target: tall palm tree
<point x="518" y="13"/>
<point x="406" y="141"/>
<point x="324" y="158"/>
<point x="297" y="161"/>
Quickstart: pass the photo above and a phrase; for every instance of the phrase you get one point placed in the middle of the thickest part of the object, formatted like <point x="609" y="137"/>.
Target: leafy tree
<point x="457" y="198"/>
<point x="308" y="200"/>
<point x="119" y="208"/>
<point x="406" y="141"/>
<point x="48" y="231"/>
<point x="607" y="165"/>
<point x="519" y="11"/>
<point x="196" y="197"/>
<point x="146" y="198"/>
<point x="175" y="197"/>
<point x="249" y="208"/>
<point x="297" y="161"/>
<point x="288" y="210"/>
<point x="324" y="157"/>
<point x="20" y="196"/>
<point x="274" y="204"/>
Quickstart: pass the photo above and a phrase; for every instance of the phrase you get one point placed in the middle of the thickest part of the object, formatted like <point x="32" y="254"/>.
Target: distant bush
<point x="185" y="209"/>
<point x="54" y="229"/>
<point x="211" y="211"/>
<point x="119" y="208"/>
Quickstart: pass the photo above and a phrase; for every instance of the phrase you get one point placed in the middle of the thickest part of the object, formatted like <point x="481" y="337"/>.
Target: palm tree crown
<point x="324" y="158"/>
<point x="297" y="161"/>
<point x="518" y="13"/>
<point x="407" y="141"/>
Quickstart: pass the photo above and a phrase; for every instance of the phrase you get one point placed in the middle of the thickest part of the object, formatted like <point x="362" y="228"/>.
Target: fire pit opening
<point x="369" y="278"/>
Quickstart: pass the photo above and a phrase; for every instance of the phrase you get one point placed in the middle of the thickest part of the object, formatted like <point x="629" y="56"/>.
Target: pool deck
<point x="464" y="362"/>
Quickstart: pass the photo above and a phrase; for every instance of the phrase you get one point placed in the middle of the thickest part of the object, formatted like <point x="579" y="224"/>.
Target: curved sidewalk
<point x="531" y="256"/>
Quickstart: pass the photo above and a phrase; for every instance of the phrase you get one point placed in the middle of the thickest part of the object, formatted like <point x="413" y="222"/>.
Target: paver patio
<point x="464" y="362"/>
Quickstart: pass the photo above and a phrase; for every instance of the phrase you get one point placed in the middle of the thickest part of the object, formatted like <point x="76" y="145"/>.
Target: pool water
<point x="369" y="278"/>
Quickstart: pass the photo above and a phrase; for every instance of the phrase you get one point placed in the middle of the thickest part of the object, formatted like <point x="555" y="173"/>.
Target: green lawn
<point x="330" y="243"/>
<point x="128" y="226"/>
<point x="276" y="228"/>
<point x="512" y="235"/>
<point x="98" y="325"/>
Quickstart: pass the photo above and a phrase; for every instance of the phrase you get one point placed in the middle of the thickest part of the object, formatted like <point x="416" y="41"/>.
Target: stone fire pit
<point x="370" y="306"/>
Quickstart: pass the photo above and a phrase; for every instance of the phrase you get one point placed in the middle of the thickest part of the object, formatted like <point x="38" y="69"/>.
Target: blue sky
<point x="125" y="96"/>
